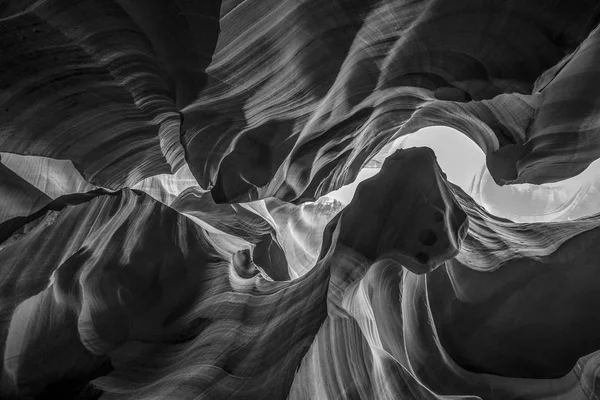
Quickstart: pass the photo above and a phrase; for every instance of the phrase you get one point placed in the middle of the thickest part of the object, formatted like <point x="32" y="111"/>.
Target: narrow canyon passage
<point x="299" y="199"/>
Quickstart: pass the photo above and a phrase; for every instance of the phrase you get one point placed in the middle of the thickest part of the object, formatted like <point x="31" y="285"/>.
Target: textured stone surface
<point x="163" y="234"/>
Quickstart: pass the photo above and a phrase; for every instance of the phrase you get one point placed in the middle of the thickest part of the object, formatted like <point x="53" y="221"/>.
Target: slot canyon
<point x="300" y="199"/>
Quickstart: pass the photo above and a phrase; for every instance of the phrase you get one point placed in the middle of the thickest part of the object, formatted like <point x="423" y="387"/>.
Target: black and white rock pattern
<point x="163" y="230"/>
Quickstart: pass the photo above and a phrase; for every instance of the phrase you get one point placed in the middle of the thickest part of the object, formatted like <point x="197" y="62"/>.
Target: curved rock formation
<point x="274" y="118"/>
<point x="250" y="223"/>
<point x="162" y="227"/>
<point x="96" y="83"/>
<point x="300" y="229"/>
<point x="429" y="235"/>
<point x="135" y="282"/>
<point x="406" y="67"/>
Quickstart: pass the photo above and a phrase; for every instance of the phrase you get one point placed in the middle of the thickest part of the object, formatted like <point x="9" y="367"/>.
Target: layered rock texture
<point x="163" y="230"/>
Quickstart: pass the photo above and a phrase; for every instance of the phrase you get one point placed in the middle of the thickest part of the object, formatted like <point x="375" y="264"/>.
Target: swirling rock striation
<point x="412" y="291"/>
<point x="101" y="82"/>
<point x="405" y="66"/>
<point x="163" y="293"/>
<point x="261" y="112"/>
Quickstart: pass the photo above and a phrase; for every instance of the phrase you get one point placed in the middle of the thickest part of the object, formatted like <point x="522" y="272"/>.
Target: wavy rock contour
<point x="162" y="227"/>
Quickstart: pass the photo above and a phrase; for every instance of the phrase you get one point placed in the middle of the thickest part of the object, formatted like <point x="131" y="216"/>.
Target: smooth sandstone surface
<point x="163" y="230"/>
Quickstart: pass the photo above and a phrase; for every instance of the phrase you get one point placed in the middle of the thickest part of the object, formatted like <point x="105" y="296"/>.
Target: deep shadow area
<point x="528" y="319"/>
